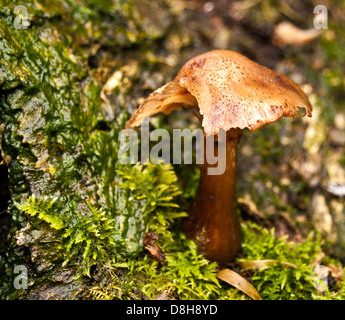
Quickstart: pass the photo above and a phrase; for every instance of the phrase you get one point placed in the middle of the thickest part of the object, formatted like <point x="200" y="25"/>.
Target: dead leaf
<point x="337" y="271"/>
<point x="238" y="282"/>
<point x="286" y="33"/>
<point x="264" y="264"/>
<point x="149" y="241"/>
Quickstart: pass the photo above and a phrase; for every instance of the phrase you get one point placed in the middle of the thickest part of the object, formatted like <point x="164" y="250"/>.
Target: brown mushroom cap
<point x="230" y="90"/>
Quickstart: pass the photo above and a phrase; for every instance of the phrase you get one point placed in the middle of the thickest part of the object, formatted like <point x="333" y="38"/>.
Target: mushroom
<point x="231" y="93"/>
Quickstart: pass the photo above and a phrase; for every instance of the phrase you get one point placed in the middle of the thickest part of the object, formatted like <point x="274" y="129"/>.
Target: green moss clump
<point x="187" y="275"/>
<point x="72" y="203"/>
<point x="281" y="282"/>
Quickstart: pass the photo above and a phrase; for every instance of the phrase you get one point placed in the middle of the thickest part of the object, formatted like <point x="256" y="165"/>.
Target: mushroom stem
<point x="212" y="221"/>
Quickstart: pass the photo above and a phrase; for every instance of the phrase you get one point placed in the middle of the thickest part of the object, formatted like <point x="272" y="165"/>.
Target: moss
<point x="187" y="275"/>
<point x="64" y="175"/>
<point x="282" y="282"/>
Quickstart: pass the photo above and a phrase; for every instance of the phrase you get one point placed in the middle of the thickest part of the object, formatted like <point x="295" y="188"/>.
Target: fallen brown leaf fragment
<point x="286" y="33"/>
<point x="149" y="242"/>
<point x="264" y="264"/>
<point x="236" y="280"/>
